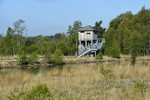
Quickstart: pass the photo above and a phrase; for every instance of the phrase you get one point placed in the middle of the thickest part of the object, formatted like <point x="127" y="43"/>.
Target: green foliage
<point x="46" y="47"/>
<point x="111" y="47"/>
<point x="71" y="45"/>
<point x="73" y="37"/>
<point x="32" y="48"/>
<point x="99" y="30"/>
<point x="33" y="58"/>
<point x="144" y="15"/>
<point x="74" y="29"/>
<point x="109" y="38"/>
<point x="131" y="32"/>
<point x="1" y="37"/>
<point x="106" y="72"/>
<point x="13" y="42"/>
<point x="39" y="92"/>
<point x="115" y="50"/>
<point x="7" y="43"/>
<point x="141" y="86"/>
<point x="136" y="46"/>
<point x="23" y="59"/>
<point x="99" y="55"/>
<point x="146" y="42"/>
<point x="115" y="22"/>
<point x="127" y="41"/>
<point x="56" y="58"/>
<point x="62" y="46"/>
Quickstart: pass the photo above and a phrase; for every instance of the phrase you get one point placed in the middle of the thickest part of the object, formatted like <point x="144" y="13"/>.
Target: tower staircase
<point x="92" y="47"/>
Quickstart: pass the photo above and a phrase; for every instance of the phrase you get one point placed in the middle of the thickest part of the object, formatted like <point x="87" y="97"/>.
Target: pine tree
<point x="109" y="38"/>
<point x="115" y="49"/>
<point x="127" y="41"/>
<point x="136" y="46"/>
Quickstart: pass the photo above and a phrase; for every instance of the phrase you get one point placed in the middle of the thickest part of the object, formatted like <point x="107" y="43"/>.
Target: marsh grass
<point x="83" y="81"/>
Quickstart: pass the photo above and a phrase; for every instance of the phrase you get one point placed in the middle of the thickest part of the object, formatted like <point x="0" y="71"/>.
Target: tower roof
<point x="86" y="28"/>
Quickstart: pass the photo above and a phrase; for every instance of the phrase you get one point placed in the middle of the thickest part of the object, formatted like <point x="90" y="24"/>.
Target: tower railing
<point x="95" y="47"/>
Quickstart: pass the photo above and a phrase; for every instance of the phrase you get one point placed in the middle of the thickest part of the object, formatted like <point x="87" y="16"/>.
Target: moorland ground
<point x="101" y="81"/>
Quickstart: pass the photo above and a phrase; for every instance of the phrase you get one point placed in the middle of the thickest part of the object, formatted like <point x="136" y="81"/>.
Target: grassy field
<point x="105" y="81"/>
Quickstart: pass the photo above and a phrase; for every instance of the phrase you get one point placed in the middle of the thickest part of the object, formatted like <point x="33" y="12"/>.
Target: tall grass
<point x="83" y="81"/>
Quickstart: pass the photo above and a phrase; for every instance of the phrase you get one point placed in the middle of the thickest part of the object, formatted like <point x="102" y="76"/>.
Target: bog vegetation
<point x="102" y="81"/>
<point x="39" y="92"/>
<point x="127" y="34"/>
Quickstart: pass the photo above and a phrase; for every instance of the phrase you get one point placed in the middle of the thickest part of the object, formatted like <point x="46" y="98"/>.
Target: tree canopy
<point x="131" y="32"/>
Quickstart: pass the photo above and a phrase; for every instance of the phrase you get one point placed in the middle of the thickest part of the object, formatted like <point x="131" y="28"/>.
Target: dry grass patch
<point x="82" y="81"/>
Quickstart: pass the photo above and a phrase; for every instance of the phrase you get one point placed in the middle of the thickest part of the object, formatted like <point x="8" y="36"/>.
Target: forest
<point x="127" y="34"/>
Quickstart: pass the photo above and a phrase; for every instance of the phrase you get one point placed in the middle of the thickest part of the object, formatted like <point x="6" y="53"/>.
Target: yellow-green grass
<point x="82" y="81"/>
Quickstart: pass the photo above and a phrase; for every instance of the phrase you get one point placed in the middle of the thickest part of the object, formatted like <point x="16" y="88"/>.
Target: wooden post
<point x="85" y="43"/>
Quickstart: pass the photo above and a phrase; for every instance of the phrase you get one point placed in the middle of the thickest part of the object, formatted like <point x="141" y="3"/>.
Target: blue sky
<point x="47" y="17"/>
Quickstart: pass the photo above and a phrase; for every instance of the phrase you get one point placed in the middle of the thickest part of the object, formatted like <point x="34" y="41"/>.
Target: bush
<point x="99" y="55"/>
<point x="106" y="72"/>
<point x="39" y="92"/>
<point x="62" y="46"/>
<point x="56" y="58"/>
<point x="46" y="47"/>
<point x="141" y="86"/>
<point x="32" y="48"/>
<point x="33" y="58"/>
<point x="47" y="56"/>
<point x="23" y="59"/>
<point x="115" y="50"/>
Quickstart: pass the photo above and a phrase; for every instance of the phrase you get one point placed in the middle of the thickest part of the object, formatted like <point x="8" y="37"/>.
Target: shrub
<point x="23" y="59"/>
<point x="46" y="47"/>
<point x="56" y="58"/>
<point x="141" y="86"/>
<point x="99" y="55"/>
<point x="47" y="56"/>
<point x="32" y="48"/>
<point x="39" y="92"/>
<point x="115" y="50"/>
<point x="62" y="46"/>
<point x="106" y="72"/>
<point x="33" y="58"/>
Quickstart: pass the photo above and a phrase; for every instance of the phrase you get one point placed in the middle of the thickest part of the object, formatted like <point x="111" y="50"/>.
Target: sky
<point x="47" y="17"/>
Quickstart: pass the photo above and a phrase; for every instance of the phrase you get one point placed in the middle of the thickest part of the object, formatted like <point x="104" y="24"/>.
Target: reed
<point x="82" y="81"/>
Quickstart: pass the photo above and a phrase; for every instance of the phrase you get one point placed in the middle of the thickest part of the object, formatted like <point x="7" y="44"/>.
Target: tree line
<point x="127" y="34"/>
<point x="15" y="41"/>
